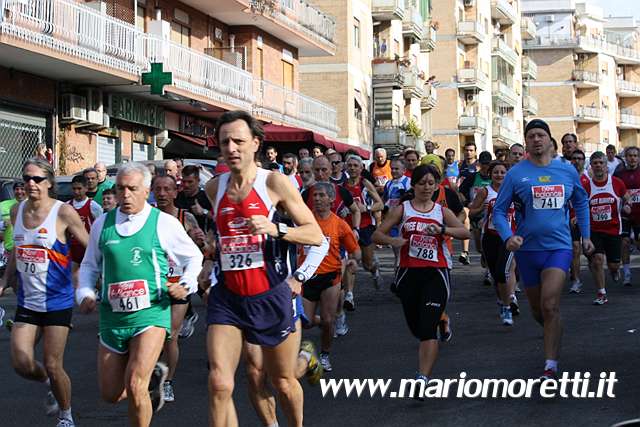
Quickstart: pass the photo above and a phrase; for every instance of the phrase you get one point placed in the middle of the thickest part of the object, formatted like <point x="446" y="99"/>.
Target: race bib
<point x="129" y="296"/>
<point x="174" y="269"/>
<point x="634" y="195"/>
<point x="548" y="196"/>
<point x="423" y="247"/>
<point x="241" y="252"/>
<point x="601" y="213"/>
<point x="31" y="261"/>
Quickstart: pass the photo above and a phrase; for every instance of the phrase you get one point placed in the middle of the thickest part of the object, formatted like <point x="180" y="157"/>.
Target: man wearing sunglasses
<point x="338" y="175"/>
<point x="41" y="267"/>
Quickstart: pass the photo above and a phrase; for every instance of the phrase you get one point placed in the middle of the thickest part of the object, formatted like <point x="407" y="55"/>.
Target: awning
<point x="280" y="133"/>
<point x="202" y="142"/>
<point x="341" y="147"/>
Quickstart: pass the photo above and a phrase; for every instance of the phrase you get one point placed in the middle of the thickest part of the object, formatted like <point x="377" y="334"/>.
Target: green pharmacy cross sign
<point x="157" y="78"/>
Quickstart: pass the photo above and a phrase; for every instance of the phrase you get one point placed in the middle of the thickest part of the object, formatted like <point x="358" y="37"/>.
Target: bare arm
<point x="74" y="224"/>
<point x="377" y="201"/>
<point x="10" y="271"/>
<point x="381" y="235"/>
<point x="454" y="228"/>
<point x="355" y="215"/>
<point x="193" y="230"/>
<point x="477" y="205"/>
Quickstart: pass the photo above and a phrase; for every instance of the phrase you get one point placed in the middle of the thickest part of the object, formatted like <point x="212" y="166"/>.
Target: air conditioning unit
<point x="95" y="108"/>
<point x="162" y="139"/>
<point x="470" y="97"/>
<point x="468" y="3"/>
<point x="73" y="108"/>
<point x="549" y="18"/>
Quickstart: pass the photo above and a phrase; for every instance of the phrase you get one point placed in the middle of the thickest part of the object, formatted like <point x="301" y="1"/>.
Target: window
<point x="260" y="63"/>
<point x="140" y="14"/>
<point x="356" y="32"/>
<point x="287" y="75"/>
<point x="180" y="33"/>
<point x="357" y="109"/>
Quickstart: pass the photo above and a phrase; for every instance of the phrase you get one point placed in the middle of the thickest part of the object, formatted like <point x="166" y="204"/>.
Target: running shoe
<point x="518" y="290"/>
<point x="615" y="276"/>
<point x="168" y="391"/>
<point x="2" y="313"/>
<point x="488" y="280"/>
<point x="601" y="299"/>
<point x="325" y="362"/>
<point x="314" y="368"/>
<point x="505" y="316"/>
<point x="576" y="287"/>
<point x="8" y="324"/>
<point x="156" y="386"/>
<point x="349" y="304"/>
<point x="63" y="422"/>
<point x="444" y="329"/>
<point x="188" y="325"/>
<point x="464" y="258"/>
<point x="549" y="374"/>
<point x="341" y="326"/>
<point x="626" y="281"/>
<point x="418" y="391"/>
<point x="513" y="305"/>
<point x="377" y="280"/>
<point x="51" y="406"/>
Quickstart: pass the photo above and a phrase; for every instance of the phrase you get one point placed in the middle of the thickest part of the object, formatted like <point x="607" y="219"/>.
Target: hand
<point x="196" y="209"/>
<point x="398" y="242"/>
<point x="198" y="236"/>
<point x="88" y="305"/>
<point x="626" y="209"/>
<point x="361" y="207"/>
<point x="434" y="230"/>
<point x="356" y="234"/>
<point x="574" y="220"/>
<point x="352" y="266"/>
<point x="587" y="246"/>
<point x="177" y="291"/>
<point x="296" y="287"/>
<point x="514" y="243"/>
<point x="260" y="224"/>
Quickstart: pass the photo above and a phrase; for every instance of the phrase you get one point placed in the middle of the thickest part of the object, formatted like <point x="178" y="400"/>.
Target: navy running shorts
<point x="531" y="264"/>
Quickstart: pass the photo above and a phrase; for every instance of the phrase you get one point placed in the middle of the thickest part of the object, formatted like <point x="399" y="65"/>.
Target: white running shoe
<point x="168" y="391"/>
<point x="576" y="287"/>
<point x="626" y="281"/>
<point x="156" y="385"/>
<point x="505" y="316"/>
<point x="349" y="304"/>
<point x="63" y="422"/>
<point x="341" y="326"/>
<point x="325" y="362"/>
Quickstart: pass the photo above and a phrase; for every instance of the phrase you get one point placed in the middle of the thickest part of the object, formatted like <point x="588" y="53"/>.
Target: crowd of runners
<point x="272" y="249"/>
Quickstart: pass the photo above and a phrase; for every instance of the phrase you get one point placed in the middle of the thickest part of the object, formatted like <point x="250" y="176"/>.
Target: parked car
<point x="63" y="188"/>
<point x="6" y="188"/>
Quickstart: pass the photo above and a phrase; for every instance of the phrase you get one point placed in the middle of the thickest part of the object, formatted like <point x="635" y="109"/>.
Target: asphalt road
<point x="596" y="339"/>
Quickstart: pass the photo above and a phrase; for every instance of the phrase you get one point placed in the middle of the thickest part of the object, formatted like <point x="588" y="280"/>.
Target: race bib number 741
<point x="548" y="196"/>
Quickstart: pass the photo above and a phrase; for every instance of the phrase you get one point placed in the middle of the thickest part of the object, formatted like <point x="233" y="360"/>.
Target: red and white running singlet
<point x="421" y="249"/>
<point x="489" y="202"/>
<point x="605" y="201"/>
<point x="250" y="264"/>
<point x="359" y="193"/>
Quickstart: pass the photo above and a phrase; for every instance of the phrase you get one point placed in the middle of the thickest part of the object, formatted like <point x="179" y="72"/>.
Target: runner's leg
<point x="53" y="344"/>
<point x="24" y="337"/>
<point x="111" y="371"/>
<point x="552" y="283"/>
<point x="328" y="300"/>
<point x="171" y="348"/>
<point x="224" y="347"/>
<point x="261" y="398"/>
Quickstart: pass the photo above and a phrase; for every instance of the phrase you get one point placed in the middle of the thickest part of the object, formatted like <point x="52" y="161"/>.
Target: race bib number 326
<point x="129" y="296"/>
<point x="241" y="252"/>
<point x="548" y="196"/>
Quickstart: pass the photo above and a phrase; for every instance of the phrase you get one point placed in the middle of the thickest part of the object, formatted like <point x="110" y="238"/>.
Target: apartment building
<point x="481" y="73"/>
<point x="91" y="78"/>
<point x="588" y="72"/>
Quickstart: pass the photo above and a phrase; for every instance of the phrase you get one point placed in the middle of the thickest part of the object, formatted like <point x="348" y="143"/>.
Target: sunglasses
<point x="577" y="158"/>
<point x="36" y="179"/>
<point x="336" y="162"/>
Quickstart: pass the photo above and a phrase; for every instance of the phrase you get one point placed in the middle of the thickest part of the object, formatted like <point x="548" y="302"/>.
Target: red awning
<point x="202" y="142"/>
<point x="341" y="147"/>
<point x="280" y="133"/>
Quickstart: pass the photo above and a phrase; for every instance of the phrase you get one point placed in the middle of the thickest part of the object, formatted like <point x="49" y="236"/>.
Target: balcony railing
<point x="307" y="18"/>
<point x="529" y="68"/>
<point x="413" y="24"/>
<point x="528" y="28"/>
<point x="588" y="114"/>
<point x="505" y="130"/>
<point x="430" y="99"/>
<point x="504" y="93"/>
<point x="471" y="121"/>
<point x="391" y="136"/>
<point x="530" y="105"/>
<point x="428" y="43"/>
<point x="629" y="121"/>
<point x="585" y="78"/>
<point x="500" y="48"/>
<point x="74" y="30"/>
<point x="503" y="12"/>
<point x="472" y="77"/>
<point x="623" y="54"/>
<point x="626" y="88"/>
<point x="470" y="32"/>
<point x="387" y="73"/>
<point x="413" y="85"/>
<point x="387" y="10"/>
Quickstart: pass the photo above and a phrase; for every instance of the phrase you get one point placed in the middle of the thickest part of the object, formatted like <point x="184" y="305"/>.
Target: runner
<point x="613" y="161"/>
<point x="452" y="172"/>
<point x="393" y="192"/>
<point x="423" y="275"/>
<point x="569" y="143"/>
<point x="88" y="210"/>
<point x="499" y="260"/>
<point x="130" y="246"/>
<point x="338" y="175"/>
<point x="542" y="241"/>
<point x="578" y="160"/>
<point x="40" y="265"/>
<point x="516" y="153"/>
<point x="254" y="270"/>
<point x="630" y="175"/>
<point x="380" y="170"/>
<point x="103" y="182"/>
<point x="290" y="168"/>
<point x="606" y="197"/>
<point x="411" y="159"/>
<point x="166" y="190"/>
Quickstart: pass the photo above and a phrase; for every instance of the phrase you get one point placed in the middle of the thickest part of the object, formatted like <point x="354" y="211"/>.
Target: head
<point x="191" y="180"/>
<point x="631" y="156"/>
<point x="434" y="161"/>
<point x="39" y="179"/>
<point x="397" y="168"/>
<point x="578" y="160"/>
<point x="470" y="152"/>
<point x="41" y="150"/>
<point x="109" y="201"/>
<point x="101" y="169"/>
<point x="484" y="160"/>
<point x="303" y="153"/>
<point x="290" y="163"/>
<point x="537" y="135"/>
<point x="501" y="154"/>
<point x="152" y="169"/>
<point x="337" y="165"/>
<point x="569" y="143"/>
<point x="354" y="166"/>
<point x="239" y="135"/>
<point x="598" y="162"/>
<point x="424" y="182"/>
<point x="429" y="147"/>
<point x="132" y="187"/>
<point x="497" y="171"/>
<point x="321" y="169"/>
<point x="411" y="159"/>
<point x="611" y="152"/>
<point x="305" y="170"/>
<point x="381" y="156"/>
<point x="317" y="151"/>
<point x="450" y="155"/>
<point x="171" y="168"/>
<point x="271" y="154"/>
<point x="79" y="187"/>
<point x="179" y="164"/>
<point x="165" y="189"/>
<point x="19" y="193"/>
<point x="324" y="194"/>
<point x="516" y="153"/>
<point x="92" y="178"/>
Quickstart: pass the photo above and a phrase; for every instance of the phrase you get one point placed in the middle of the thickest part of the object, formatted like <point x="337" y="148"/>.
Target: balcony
<point x="413" y="86"/>
<point x="622" y="54"/>
<point x="504" y="94"/>
<point x="391" y="137"/>
<point x="529" y="68"/>
<point x="472" y="78"/>
<point x="387" y="73"/>
<point x="387" y="10"/>
<point x="430" y="99"/>
<point x="470" y="122"/>
<point x="470" y="32"/>
<point x="585" y="79"/>
<point x="500" y="48"/>
<point x="503" y="12"/>
<point x="629" y="121"/>
<point x="413" y="25"/>
<point x="529" y="105"/>
<point x="627" y="89"/>
<point x="504" y="131"/>
<point x="528" y="28"/>
<point x="588" y="114"/>
<point x="428" y="43"/>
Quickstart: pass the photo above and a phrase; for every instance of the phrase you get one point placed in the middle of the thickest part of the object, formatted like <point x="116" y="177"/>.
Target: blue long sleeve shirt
<point x="540" y="195"/>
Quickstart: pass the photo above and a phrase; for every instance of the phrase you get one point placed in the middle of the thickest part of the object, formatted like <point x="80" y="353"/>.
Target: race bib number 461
<point x="129" y="296"/>
<point x="241" y="252"/>
<point x="548" y="196"/>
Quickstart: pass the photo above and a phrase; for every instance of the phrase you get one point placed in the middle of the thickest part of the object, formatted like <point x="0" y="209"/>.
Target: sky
<point x="618" y="7"/>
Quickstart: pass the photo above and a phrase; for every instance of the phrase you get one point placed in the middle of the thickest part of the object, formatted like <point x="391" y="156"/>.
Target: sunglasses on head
<point x="36" y="179"/>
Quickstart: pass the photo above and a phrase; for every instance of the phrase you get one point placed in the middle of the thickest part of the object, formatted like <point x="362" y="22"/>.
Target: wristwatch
<point x="283" y="229"/>
<point x="299" y="276"/>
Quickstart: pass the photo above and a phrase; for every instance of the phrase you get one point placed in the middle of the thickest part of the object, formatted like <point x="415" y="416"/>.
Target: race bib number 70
<point x="548" y="196"/>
